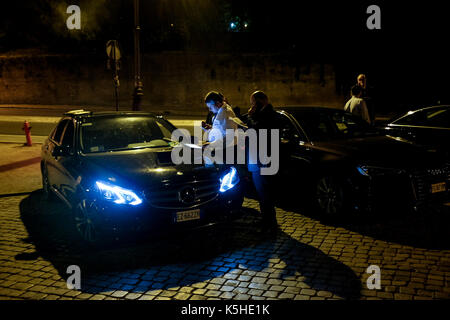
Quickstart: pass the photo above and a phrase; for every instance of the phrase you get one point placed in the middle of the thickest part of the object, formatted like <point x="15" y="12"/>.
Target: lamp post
<point x="138" y="87"/>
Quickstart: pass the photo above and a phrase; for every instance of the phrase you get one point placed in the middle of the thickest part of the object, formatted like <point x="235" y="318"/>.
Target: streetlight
<point x="138" y="87"/>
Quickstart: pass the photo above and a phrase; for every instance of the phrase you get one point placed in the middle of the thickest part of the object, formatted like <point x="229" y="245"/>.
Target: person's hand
<point x="206" y="126"/>
<point x="251" y="110"/>
<point x="205" y="144"/>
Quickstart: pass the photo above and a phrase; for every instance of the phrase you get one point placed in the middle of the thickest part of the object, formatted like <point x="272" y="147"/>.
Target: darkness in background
<point x="406" y="61"/>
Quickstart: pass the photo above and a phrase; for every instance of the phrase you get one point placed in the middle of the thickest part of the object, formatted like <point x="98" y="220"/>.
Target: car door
<point x="51" y="162"/>
<point x="66" y="163"/>
<point x="295" y="154"/>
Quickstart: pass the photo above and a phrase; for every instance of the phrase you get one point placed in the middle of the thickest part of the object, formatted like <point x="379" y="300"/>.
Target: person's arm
<point x="365" y="112"/>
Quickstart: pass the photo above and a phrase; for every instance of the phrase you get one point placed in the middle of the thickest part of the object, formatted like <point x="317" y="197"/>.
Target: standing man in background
<point x="361" y="81"/>
<point x="356" y="105"/>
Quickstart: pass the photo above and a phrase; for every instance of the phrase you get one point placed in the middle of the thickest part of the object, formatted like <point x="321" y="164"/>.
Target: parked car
<point x="114" y="171"/>
<point x="426" y="126"/>
<point x="343" y="164"/>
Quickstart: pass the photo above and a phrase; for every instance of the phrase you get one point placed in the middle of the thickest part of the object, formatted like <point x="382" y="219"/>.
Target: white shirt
<point x="358" y="107"/>
<point x="223" y="120"/>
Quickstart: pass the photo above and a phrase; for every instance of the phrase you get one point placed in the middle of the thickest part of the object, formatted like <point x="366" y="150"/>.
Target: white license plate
<point x="188" y="215"/>
<point x="438" y="187"/>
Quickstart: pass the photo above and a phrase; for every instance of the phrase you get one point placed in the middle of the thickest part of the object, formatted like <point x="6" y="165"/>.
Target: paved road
<point x="306" y="260"/>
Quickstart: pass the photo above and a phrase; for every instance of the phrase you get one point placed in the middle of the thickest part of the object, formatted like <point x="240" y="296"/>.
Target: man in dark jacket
<point x="262" y="115"/>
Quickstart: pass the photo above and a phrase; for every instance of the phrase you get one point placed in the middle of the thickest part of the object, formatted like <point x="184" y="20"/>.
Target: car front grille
<point x="182" y="195"/>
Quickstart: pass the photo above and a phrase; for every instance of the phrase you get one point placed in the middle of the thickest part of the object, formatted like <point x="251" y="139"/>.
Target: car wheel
<point x="47" y="192"/>
<point x="330" y="196"/>
<point x="86" y="228"/>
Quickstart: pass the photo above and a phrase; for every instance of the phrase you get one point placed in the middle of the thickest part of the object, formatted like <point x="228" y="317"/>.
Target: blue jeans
<point x="264" y="188"/>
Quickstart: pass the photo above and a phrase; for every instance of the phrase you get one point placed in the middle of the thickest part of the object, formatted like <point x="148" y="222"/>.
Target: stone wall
<point x="175" y="81"/>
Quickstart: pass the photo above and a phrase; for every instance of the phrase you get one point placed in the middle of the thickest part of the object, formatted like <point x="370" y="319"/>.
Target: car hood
<point x="144" y="167"/>
<point x="384" y="151"/>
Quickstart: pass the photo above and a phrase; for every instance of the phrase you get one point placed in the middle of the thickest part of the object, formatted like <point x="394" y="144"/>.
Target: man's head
<point x="259" y="99"/>
<point x="356" y="91"/>
<point x="361" y="80"/>
<point x="214" y="101"/>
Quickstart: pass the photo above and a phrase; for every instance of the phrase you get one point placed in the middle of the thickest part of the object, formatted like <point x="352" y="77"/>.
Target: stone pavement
<point x="306" y="260"/>
<point x="19" y="168"/>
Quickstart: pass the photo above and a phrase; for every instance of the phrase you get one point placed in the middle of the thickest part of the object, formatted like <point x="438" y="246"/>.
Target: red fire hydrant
<point x="27" y="129"/>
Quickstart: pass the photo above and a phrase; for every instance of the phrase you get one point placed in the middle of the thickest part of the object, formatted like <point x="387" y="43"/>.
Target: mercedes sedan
<point x="114" y="171"/>
<point x="343" y="164"/>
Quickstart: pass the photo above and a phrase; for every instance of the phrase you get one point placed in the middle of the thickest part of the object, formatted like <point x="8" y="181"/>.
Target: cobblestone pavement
<point x="306" y="260"/>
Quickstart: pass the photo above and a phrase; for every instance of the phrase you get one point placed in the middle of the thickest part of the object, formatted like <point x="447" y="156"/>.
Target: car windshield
<point x="321" y="125"/>
<point x="101" y="134"/>
<point x="430" y="117"/>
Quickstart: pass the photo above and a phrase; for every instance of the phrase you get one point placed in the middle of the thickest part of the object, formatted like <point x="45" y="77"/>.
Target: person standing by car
<point x="366" y="95"/>
<point x="262" y="115"/>
<point x="356" y="105"/>
<point x="223" y="119"/>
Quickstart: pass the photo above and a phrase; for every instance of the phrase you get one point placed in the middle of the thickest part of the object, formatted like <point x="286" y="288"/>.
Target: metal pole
<point x="138" y="87"/>
<point x="116" y="78"/>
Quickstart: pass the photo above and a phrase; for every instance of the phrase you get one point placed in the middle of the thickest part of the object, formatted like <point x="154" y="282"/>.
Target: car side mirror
<point x="62" y="151"/>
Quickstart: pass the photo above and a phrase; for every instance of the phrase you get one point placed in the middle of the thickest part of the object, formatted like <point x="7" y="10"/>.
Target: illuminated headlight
<point x="229" y="180"/>
<point x="363" y="170"/>
<point x="117" y="194"/>
<point x="370" y="171"/>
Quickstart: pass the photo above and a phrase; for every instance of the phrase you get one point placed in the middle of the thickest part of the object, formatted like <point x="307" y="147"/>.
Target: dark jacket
<point x="266" y="118"/>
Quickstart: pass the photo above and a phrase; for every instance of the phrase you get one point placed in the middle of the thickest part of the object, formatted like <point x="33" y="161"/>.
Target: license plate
<point x="438" y="187"/>
<point x="188" y="215"/>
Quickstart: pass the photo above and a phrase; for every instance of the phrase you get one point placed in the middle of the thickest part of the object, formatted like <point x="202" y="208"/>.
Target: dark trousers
<point x="264" y="188"/>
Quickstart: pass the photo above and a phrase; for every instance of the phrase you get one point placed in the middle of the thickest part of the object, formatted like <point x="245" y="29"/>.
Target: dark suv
<point x="114" y="171"/>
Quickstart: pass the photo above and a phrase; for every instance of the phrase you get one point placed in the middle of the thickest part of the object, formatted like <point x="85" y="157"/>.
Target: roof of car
<point x="87" y="113"/>
<point x="304" y="108"/>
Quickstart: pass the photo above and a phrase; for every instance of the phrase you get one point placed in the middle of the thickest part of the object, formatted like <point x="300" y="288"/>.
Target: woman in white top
<point x="224" y="118"/>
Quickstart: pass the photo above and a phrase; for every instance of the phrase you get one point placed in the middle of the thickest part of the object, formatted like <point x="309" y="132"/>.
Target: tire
<point x="87" y="230"/>
<point x="47" y="193"/>
<point x="330" y="196"/>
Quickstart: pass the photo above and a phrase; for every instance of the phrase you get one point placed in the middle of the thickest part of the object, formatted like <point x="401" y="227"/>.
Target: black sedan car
<point x="114" y="171"/>
<point x="426" y="126"/>
<point x="343" y="164"/>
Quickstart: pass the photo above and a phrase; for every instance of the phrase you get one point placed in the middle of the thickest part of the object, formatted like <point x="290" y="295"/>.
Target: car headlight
<point x="117" y="194"/>
<point x="363" y="170"/>
<point x="229" y="180"/>
<point x="370" y="171"/>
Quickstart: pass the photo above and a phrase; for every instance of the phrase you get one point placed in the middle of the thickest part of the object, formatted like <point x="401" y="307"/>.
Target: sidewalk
<point x="58" y="110"/>
<point x="19" y="168"/>
<point x="43" y="118"/>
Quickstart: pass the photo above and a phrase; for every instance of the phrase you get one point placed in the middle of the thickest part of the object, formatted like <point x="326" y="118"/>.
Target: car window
<point x="67" y="139"/>
<point x="59" y="130"/>
<point x="415" y="119"/>
<point x="288" y="131"/>
<point x="315" y="124"/>
<point x="348" y="126"/>
<point x="427" y="118"/>
<point x="438" y="118"/>
<point x="100" y="134"/>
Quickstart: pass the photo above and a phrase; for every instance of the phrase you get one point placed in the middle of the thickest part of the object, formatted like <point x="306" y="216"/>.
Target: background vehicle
<point x="114" y="171"/>
<point x="343" y="164"/>
<point x="426" y="126"/>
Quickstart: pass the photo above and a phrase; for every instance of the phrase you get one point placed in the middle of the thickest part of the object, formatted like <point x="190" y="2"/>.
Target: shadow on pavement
<point x="426" y="228"/>
<point x="140" y="265"/>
